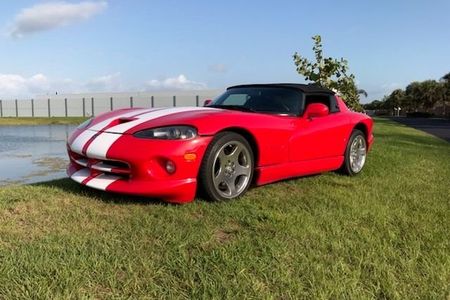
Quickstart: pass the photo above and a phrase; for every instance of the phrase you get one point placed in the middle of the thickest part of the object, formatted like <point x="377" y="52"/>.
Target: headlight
<point x="85" y="124"/>
<point x="168" y="133"/>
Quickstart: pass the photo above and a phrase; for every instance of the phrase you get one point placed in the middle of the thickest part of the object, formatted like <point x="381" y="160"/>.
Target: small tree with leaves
<point x="330" y="73"/>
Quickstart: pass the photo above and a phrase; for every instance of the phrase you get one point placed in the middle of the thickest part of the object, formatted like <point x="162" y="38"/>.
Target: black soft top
<point x="306" y="88"/>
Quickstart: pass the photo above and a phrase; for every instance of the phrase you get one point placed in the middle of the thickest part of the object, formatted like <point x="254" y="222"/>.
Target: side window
<point x="328" y="100"/>
<point x="235" y="99"/>
<point x="334" y="104"/>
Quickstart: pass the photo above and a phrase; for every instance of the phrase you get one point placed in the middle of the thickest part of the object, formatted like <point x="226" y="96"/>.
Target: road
<point x="434" y="126"/>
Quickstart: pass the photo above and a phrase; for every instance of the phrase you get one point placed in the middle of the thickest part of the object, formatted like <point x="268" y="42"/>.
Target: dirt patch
<point x="222" y="237"/>
<point x="225" y="235"/>
<point x="10" y="182"/>
<point x="197" y="215"/>
<point x="51" y="163"/>
<point x="20" y="155"/>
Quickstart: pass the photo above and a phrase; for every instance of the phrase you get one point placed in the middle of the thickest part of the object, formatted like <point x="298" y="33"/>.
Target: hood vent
<point x="120" y="121"/>
<point x="125" y="120"/>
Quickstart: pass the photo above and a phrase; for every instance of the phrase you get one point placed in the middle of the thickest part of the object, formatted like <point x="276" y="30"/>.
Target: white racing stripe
<point x="121" y="128"/>
<point x="81" y="175"/>
<point x="100" y="146"/>
<point x="78" y="144"/>
<point x="81" y="140"/>
<point x="102" y="181"/>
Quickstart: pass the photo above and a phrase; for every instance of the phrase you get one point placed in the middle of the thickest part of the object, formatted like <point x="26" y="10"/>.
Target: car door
<point x="319" y="137"/>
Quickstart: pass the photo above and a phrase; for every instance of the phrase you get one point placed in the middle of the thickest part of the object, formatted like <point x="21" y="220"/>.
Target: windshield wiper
<point x="232" y="107"/>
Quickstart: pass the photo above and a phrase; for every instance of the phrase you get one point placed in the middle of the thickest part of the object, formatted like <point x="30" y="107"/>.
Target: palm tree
<point x="446" y="77"/>
<point x="430" y="93"/>
<point x="362" y="92"/>
<point x="413" y="95"/>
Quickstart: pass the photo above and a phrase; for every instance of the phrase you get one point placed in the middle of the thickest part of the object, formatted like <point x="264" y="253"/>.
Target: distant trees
<point x="422" y="96"/>
<point x="331" y="73"/>
<point x="374" y="105"/>
<point x="446" y="91"/>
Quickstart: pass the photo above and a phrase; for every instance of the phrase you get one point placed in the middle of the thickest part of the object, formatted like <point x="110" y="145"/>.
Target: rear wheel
<point x="227" y="167"/>
<point x="355" y="154"/>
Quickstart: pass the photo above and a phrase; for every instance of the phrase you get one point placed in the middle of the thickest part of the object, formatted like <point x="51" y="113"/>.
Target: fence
<point x="84" y="105"/>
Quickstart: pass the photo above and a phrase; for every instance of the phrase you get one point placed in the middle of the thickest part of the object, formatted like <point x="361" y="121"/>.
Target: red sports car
<point x="251" y="134"/>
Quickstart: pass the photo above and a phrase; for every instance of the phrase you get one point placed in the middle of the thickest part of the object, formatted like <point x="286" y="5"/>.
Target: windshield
<point x="272" y="100"/>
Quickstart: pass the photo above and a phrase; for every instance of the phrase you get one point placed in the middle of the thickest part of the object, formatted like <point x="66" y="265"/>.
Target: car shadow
<point x="69" y="186"/>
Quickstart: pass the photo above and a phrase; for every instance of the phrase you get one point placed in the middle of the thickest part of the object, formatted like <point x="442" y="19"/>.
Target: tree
<point x="431" y="93"/>
<point x="413" y="94"/>
<point x="330" y="73"/>
<point x="375" y="104"/>
<point x="396" y="98"/>
<point x="446" y="77"/>
<point x="445" y="91"/>
<point x="424" y="95"/>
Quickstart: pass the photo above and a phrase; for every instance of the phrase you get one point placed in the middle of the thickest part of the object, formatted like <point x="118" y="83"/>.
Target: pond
<point x="30" y="154"/>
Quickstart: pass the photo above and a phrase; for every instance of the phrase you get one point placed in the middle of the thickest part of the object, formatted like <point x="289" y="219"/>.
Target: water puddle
<point x="31" y="154"/>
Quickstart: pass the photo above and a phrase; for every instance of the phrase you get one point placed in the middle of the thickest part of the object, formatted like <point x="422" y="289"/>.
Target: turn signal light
<point x="190" y="156"/>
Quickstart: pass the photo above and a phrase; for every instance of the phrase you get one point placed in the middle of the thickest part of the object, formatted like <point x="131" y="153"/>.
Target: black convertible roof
<point x="306" y="88"/>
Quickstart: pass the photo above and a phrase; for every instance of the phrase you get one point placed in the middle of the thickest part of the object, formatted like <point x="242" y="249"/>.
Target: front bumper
<point x="136" y="166"/>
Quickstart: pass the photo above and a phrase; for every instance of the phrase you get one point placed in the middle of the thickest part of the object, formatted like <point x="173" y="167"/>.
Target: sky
<point x="114" y="46"/>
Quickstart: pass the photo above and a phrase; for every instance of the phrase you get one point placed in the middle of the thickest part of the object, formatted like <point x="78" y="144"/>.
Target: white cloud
<point x="18" y="86"/>
<point x="218" y="68"/>
<point x="13" y="85"/>
<point x="106" y="83"/>
<point x="52" y="15"/>
<point x="175" y="83"/>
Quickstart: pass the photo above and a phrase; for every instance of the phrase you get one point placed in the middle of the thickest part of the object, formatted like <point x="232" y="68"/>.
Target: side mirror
<point x="315" y="110"/>
<point x="207" y="102"/>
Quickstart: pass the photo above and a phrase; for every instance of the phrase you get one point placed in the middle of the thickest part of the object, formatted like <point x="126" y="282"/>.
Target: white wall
<point x="102" y="102"/>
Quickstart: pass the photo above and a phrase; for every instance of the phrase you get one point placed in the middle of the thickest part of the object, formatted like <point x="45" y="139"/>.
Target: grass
<point x="383" y="234"/>
<point x="41" y="121"/>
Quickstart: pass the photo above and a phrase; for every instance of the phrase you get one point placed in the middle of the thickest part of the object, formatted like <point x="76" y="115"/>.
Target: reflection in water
<point x="33" y="153"/>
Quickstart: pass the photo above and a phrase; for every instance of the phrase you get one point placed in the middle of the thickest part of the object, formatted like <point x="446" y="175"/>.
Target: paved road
<point x="434" y="126"/>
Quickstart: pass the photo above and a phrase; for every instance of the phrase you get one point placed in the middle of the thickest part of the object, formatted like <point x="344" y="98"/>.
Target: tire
<point x="227" y="167"/>
<point x="355" y="154"/>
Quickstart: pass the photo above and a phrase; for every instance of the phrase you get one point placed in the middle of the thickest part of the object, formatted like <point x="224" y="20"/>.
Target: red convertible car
<point x="251" y="134"/>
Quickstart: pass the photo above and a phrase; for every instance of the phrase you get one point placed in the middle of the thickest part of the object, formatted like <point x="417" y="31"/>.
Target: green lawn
<point x="384" y="234"/>
<point x="41" y="121"/>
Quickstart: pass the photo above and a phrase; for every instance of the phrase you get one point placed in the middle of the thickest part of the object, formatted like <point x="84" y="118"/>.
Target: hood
<point x="132" y="120"/>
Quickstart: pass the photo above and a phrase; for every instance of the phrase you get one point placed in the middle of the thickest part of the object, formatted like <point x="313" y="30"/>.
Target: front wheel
<point x="355" y="154"/>
<point x="227" y="167"/>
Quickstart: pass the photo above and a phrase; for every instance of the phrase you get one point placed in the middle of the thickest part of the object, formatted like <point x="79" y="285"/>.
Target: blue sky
<point x="79" y="46"/>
